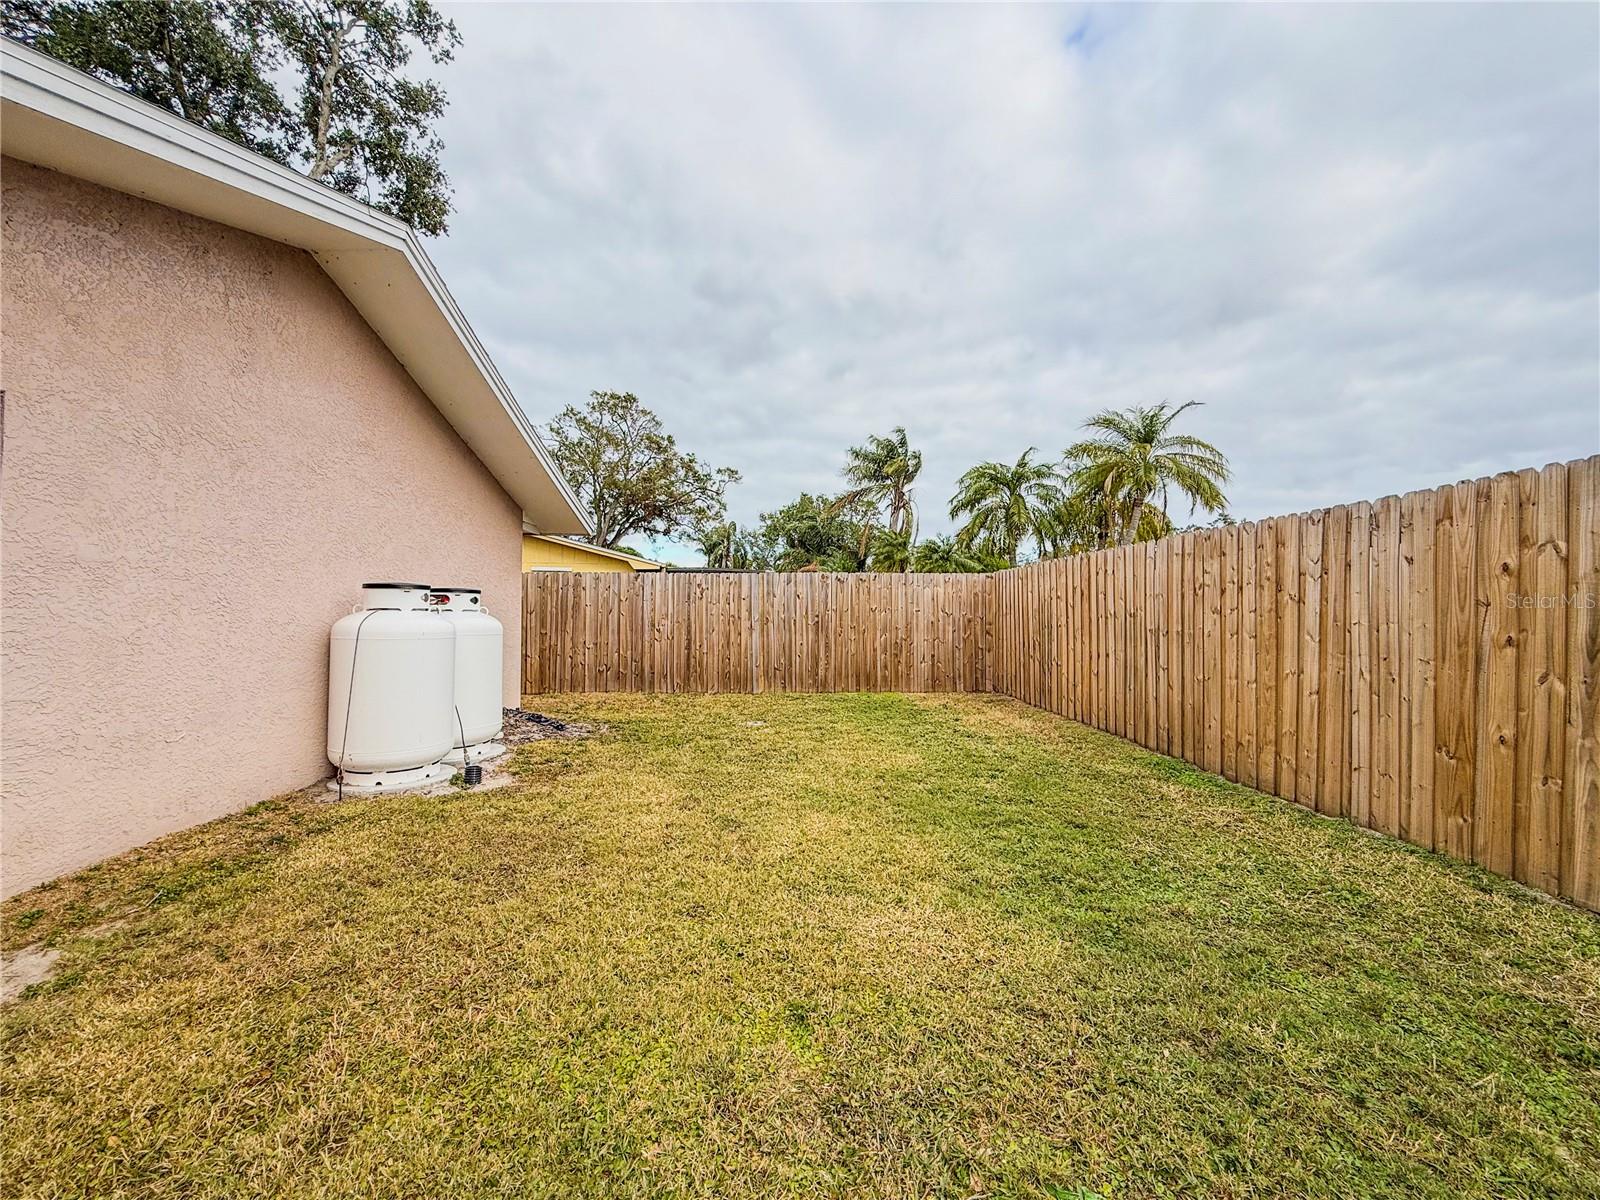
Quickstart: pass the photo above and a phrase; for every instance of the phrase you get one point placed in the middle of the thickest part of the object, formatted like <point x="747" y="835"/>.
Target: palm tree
<point x="891" y="551"/>
<point x="718" y="543"/>
<point x="729" y="548"/>
<point x="946" y="555"/>
<point x="808" y="530"/>
<point x="1083" y="521"/>
<point x="880" y="474"/>
<point x="1004" y="504"/>
<point x="1137" y="459"/>
<point x="1075" y="524"/>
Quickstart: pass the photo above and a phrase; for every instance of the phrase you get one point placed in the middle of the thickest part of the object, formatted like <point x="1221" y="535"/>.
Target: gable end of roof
<point x="57" y="117"/>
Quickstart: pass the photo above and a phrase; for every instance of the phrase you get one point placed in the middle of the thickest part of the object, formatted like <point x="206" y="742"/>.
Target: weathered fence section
<point x="754" y="632"/>
<point x="1426" y="665"/>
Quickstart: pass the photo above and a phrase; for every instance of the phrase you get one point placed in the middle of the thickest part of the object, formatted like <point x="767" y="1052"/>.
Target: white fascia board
<point x="57" y="117"/>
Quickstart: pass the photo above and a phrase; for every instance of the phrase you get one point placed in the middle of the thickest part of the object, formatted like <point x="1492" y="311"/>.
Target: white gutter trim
<point x="40" y="82"/>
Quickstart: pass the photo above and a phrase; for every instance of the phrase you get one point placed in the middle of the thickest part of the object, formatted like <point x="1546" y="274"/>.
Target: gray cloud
<point x="1367" y="237"/>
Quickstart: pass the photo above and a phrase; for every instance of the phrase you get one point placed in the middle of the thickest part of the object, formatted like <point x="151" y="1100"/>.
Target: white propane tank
<point x="391" y="684"/>
<point x="480" y="642"/>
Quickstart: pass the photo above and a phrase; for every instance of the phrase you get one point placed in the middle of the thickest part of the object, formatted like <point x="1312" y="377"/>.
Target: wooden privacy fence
<point x="803" y="632"/>
<point x="1426" y="665"/>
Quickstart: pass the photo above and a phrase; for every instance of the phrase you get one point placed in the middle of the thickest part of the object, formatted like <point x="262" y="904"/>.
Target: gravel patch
<point x="523" y="726"/>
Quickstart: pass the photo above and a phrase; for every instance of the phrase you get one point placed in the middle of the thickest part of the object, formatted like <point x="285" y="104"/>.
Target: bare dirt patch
<point x="523" y="726"/>
<point x="21" y="969"/>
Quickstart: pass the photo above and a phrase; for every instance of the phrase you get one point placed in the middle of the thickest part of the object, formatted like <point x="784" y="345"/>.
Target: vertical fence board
<point x="1498" y="556"/>
<point x="1308" y="720"/>
<point x="1417" y="682"/>
<point x="1229" y="575"/>
<point x="1150" y="620"/>
<point x="1454" y="621"/>
<point x="1580" y="829"/>
<point x="1249" y="679"/>
<point x="1363" y="677"/>
<point x="1556" y="624"/>
<point x="1267" y="678"/>
<point x="1193" y="643"/>
<point x="1211" y="669"/>
<point x="1288" y="608"/>
<point x="1333" y="766"/>
<point x="1386" y="622"/>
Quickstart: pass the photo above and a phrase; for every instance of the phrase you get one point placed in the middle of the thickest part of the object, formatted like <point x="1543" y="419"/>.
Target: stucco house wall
<point x="206" y="451"/>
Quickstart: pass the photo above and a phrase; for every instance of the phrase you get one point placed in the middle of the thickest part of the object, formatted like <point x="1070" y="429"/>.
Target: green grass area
<point x="803" y="946"/>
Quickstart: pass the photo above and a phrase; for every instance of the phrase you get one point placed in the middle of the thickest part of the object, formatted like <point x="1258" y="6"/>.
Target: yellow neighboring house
<point x="543" y="553"/>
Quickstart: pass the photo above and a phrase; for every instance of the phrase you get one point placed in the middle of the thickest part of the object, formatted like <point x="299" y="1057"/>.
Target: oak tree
<point x="629" y="473"/>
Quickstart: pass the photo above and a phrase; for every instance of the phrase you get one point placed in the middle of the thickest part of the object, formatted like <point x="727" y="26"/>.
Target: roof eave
<point x="58" y="117"/>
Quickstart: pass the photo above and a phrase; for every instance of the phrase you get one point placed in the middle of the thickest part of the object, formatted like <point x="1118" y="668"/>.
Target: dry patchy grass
<point x="806" y="946"/>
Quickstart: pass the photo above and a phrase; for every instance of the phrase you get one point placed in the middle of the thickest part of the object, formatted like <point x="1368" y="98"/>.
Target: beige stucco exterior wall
<point x="206" y="452"/>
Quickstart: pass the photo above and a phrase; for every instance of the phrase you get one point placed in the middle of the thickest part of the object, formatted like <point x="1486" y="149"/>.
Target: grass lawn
<point x="803" y="945"/>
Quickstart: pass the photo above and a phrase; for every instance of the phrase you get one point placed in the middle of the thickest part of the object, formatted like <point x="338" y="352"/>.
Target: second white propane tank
<point x="480" y="643"/>
<point x="391" y="685"/>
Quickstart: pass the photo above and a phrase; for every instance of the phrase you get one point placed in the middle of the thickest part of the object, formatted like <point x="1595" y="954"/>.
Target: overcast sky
<point x="1367" y="238"/>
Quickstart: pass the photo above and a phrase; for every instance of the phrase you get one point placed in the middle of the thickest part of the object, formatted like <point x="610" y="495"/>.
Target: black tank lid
<point x="422" y="586"/>
<point x="468" y="591"/>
